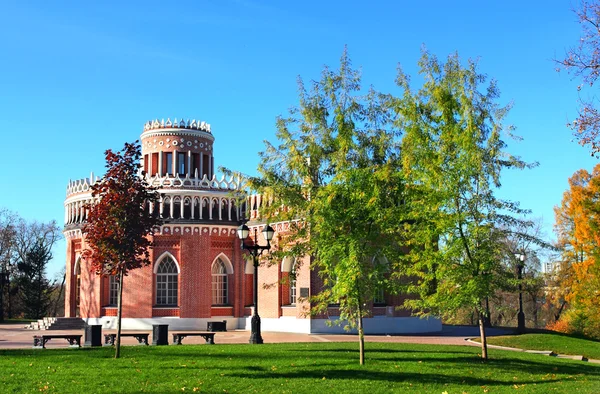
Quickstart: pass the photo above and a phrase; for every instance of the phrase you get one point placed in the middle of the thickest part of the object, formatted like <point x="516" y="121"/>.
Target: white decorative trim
<point x="70" y="234"/>
<point x="225" y="259"/>
<point x="161" y="257"/>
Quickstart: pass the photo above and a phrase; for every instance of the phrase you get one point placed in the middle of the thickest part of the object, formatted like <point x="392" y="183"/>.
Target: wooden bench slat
<point x="109" y="339"/>
<point x="208" y="336"/>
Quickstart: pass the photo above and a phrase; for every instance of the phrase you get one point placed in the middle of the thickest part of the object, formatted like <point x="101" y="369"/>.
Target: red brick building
<point x="199" y="272"/>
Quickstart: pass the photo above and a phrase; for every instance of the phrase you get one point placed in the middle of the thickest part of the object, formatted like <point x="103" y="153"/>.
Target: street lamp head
<point x="520" y="257"/>
<point x="268" y="233"/>
<point x="243" y="231"/>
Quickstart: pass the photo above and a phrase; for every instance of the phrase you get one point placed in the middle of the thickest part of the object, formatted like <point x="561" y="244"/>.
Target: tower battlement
<point x="192" y="124"/>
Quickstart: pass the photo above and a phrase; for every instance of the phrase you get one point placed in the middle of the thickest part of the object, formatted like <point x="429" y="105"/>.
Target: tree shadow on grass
<point x="396" y="377"/>
<point x="370" y="351"/>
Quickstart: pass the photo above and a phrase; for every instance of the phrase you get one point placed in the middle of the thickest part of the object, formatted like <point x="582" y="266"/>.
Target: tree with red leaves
<point x="119" y="221"/>
<point x="583" y="61"/>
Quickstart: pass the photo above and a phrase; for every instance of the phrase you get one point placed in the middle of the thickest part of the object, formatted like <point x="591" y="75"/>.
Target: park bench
<point x="142" y="337"/>
<point x="39" y="341"/>
<point x="208" y="336"/>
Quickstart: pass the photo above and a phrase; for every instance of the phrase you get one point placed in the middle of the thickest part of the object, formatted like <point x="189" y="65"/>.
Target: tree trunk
<point x="488" y="315"/>
<point x="556" y="315"/>
<point x="119" y="312"/>
<point x="62" y="286"/>
<point x="361" y="337"/>
<point x="10" y="299"/>
<point x="484" y="354"/>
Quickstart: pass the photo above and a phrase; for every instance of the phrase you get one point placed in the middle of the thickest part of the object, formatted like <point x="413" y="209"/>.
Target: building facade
<point x="199" y="273"/>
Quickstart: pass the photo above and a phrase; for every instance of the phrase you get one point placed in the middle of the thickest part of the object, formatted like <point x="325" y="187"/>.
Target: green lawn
<point x="291" y="368"/>
<point x="558" y="343"/>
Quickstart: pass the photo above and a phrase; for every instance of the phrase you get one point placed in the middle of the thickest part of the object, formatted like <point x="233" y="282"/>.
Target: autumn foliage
<point x="118" y="223"/>
<point x="578" y="230"/>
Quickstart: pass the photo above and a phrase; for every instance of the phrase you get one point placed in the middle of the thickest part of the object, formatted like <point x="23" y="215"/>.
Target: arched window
<point x="166" y="282"/>
<point x="293" y="285"/>
<point x="219" y="283"/>
<point x="113" y="290"/>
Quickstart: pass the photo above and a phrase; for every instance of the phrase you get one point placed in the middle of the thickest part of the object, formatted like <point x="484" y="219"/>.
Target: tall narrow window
<point x="78" y="289"/>
<point x="166" y="282"/>
<point x="379" y="296"/>
<point x="219" y="283"/>
<point x="154" y="169"/>
<point x="293" y="285"/>
<point x="168" y="163"/>
<point x="195" y="165"/>
<point x="181" y="159"/>
<point x="113" y="290"/>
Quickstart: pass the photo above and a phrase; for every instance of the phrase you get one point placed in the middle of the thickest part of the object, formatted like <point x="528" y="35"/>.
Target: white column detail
<point x="160" y="164"/>
<point x="189" y="164"/>
<point x="181" y="205"/>
<point x="201" y="165"/>
<point x="174" y="162"/>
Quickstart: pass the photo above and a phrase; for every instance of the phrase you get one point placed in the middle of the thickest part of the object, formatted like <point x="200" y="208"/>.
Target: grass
<point x="290" y="368"/>
<point x="558" y="343"/>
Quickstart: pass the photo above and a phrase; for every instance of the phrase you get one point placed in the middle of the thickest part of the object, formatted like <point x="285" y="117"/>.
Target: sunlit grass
<point x="556" y="342"/>
<point x="290" y="368"/>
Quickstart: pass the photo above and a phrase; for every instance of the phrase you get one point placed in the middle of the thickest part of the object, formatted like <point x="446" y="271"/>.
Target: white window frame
<point x="219" y="283"/>
<point x="167" y="283"/>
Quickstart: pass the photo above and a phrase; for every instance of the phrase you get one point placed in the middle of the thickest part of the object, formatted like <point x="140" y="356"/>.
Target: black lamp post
<point x="255" y="250"/>
<point x="521" y="316"/>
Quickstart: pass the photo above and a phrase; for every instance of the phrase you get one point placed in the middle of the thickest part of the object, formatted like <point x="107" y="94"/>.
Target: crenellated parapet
<point x="81" y="185"/>
<point x="192" y="124"/>
<point x="181" y="198"/>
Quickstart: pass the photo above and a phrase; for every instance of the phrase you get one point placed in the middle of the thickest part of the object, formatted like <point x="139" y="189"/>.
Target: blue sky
<point x="77" y="78"/>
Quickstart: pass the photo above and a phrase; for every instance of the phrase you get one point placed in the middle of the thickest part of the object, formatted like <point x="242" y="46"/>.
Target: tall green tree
<point x="336" y="172"/>
<point x="33" y="243"/>
<point x="7" y="241"/>
<point x="453" y="155"/>
<point x="119" y="223"/>
<point x="35" y="290"/>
